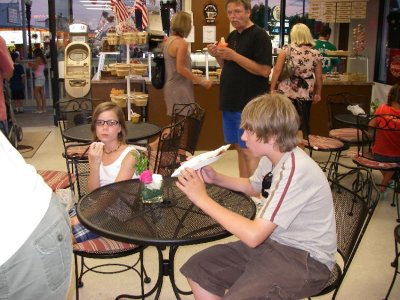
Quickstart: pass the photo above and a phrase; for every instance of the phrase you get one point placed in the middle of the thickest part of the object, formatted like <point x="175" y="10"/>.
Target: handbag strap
<point x="288" y="52"/>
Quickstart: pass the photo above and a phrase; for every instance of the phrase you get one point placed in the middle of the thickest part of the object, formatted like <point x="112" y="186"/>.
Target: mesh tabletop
<point x="139" y="131"/>
<point x="116" y="211"/>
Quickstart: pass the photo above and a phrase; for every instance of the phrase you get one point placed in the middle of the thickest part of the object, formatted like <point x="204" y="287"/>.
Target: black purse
<point x="158" y="72"/>
<point x="288" y="68"/>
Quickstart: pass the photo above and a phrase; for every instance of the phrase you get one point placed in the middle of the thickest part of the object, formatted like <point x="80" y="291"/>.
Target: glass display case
<point x="357" y="68"/>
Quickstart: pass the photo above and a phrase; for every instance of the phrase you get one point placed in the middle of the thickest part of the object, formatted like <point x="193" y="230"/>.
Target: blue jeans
<point x="232" y="130"/>
<point x="41" y="268"/>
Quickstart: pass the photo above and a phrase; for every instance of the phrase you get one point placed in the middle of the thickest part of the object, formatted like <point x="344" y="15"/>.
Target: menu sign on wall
<point x="337" y="11"/>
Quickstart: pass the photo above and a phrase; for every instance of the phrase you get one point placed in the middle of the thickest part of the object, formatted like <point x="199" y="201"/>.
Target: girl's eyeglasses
<point x="110" y="123"/>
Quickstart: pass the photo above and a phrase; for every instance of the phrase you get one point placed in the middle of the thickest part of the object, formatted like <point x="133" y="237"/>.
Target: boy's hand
<point x="192" y="185"/>
<point x="208" y="174"/>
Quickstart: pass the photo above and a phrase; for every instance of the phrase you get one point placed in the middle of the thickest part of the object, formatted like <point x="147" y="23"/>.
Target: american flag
<point x="120" y="10"/>
<point x="141" y="13"/>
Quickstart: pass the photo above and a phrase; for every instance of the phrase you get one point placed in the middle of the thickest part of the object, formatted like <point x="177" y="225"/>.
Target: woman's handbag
<point x="158" y="72"/>
<point x="288" y="68"/>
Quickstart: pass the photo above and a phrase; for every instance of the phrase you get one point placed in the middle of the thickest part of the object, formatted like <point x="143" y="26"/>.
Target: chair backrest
<point x="78" y="165"/>
<point x="194" y="117"/>
<point x="75" y="112"/>
<point x="376" y="129"/>
<point x="337" y="104"/>
<point x="164" y="161"/>
<point x="355" y="197"/>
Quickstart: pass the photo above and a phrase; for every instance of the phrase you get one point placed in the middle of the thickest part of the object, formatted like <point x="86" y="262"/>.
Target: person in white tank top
<point x="110" y="158"/>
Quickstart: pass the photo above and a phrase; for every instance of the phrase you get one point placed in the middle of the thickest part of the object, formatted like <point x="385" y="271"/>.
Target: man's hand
<point x="226" y="53"/>
<point x="212" y="49"/>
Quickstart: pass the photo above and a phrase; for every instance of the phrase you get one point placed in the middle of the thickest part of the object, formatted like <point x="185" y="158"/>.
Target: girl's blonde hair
<point x="301" y="35"/>
<point x="181" y="24"/>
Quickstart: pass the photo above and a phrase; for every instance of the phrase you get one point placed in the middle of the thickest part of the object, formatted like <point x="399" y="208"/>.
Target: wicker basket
<point x="139" y="69"/>
<point x="140" y="100"/>
<point x="129" y="38"/>
<point x="120" y="100"/>
<point x="112" y="39"/>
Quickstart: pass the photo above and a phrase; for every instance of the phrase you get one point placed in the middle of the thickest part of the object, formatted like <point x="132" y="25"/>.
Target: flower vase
<point x="152" y="192"/>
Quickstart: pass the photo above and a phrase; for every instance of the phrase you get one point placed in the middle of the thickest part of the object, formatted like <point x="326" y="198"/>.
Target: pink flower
<point x="146" y="177"/>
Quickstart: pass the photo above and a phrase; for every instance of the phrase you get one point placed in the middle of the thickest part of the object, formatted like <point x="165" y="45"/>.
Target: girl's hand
<point x="208" y="174"/>
<point x="95" y="153"/>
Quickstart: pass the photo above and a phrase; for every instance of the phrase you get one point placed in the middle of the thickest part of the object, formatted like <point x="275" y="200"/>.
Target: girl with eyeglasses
<point x="110" y="158"/>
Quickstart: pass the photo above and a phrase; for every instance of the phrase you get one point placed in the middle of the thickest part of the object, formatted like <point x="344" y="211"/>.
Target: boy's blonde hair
<point x="181" y="24"/>
<point x="301" y="35"/>
<point x="272" y="116"/>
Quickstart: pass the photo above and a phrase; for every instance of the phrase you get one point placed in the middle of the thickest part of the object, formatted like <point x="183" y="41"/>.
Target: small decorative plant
<point x="142" y="162"/>
<point x="374" y="105"/>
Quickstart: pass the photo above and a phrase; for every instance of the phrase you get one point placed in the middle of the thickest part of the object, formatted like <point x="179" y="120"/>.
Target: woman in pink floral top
<point x="304" y="88"/>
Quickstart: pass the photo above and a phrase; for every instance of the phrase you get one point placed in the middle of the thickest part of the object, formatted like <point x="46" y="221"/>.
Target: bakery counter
<point x="319" y="112"/>
<point x="211" y="136"/>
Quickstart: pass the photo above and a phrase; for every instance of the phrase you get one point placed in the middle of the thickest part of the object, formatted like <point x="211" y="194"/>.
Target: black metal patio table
<point x="350" y="119"/>
<point x="136" y="132"/>
<point x="117" y="212"/>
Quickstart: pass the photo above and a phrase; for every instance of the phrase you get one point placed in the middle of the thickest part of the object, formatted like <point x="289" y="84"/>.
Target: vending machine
<point x="77" y="69"/>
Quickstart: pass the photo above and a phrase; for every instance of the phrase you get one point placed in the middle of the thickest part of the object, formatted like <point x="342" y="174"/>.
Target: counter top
<point x="333" y="82"/>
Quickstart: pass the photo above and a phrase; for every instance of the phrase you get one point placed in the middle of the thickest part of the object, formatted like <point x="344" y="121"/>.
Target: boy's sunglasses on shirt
<point x="266" y="184"/>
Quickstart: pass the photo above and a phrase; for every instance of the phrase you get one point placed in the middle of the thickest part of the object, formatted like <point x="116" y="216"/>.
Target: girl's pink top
<point x="39" y="71"/>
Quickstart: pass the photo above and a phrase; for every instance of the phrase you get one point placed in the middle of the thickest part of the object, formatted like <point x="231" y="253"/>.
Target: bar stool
<point x="395" y="262"/>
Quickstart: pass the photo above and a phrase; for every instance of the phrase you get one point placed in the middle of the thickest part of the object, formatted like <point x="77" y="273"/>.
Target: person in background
<point x="323" y="44"/>
<point x="288" y="250"/>
<point x="36" y="252"/>
<point x="38" y="67"/>
<point x="305" y="86"/>
<point x="17" y="84"/>
<point x="110" y="158"/>
<point x="6" y="71"/>
<point x="246" y="64"/>
<point x="387" y="143"/>
<point x="179" y="79"/>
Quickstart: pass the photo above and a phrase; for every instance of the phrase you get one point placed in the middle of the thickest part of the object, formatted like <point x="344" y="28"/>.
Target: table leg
<point x="171" y="273"/>
<point x="157" y="287"/>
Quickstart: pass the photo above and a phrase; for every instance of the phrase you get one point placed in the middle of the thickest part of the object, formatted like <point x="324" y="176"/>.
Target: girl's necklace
<point x="111" y="151"/>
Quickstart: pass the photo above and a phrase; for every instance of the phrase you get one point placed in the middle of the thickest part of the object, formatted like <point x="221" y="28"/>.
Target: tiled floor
<point x="369" y="276"/>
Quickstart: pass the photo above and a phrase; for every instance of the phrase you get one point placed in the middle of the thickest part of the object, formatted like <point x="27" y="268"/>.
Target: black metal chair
<point x="325" y="144"/>
<point x="395" y="262"/>
<point x="379" y="126"/>
<point x="355" y="197"/>
<point x="74" y="112"/>
<point x="163" y="161"/>
<point x="194" y="117"/>
<point x="101" y="247"/>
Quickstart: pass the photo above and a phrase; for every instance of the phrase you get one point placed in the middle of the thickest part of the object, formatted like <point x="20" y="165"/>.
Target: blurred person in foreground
<point x="305" y="86"/>
<point x="35" y="256"/>
<point x="6" y="71"/>
<point x="288" y="250"/>
<point x="246" y="63"/>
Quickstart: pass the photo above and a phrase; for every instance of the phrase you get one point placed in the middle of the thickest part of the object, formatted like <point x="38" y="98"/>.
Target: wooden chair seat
<point x="318" y="142"/>
<point x="348" y="135"/>
<point x="103" y="246"/>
